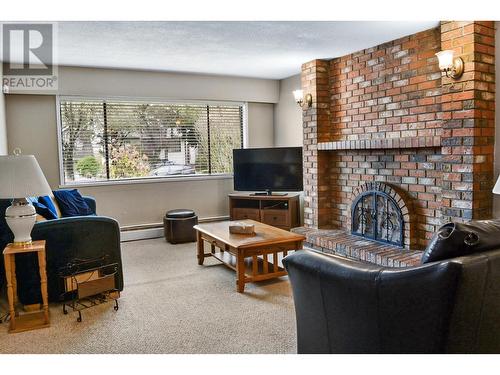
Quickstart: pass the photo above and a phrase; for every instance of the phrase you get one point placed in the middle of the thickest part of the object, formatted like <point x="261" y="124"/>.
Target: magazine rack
<point x="88" y="283"/>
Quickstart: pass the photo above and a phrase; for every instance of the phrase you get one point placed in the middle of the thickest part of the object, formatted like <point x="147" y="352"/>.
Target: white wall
<point x="496" y="198"/>
<point x="288" y="115"/>
<point x="3" y="126"/>
<point x="288" y="130"/>
<point x="115" y="82"/>
<point x="31" y="122"/>
<point x="260" y="129"/>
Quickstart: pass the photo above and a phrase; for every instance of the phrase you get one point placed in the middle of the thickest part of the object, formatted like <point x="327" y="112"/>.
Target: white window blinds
<point x="105" y="140"/>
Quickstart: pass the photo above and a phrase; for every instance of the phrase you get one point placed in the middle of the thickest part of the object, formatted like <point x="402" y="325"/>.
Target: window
<point x="110" y="140"/>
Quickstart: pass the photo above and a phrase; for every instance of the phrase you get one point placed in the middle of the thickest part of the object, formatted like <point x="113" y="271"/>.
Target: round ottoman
<point x="178" y="226"/>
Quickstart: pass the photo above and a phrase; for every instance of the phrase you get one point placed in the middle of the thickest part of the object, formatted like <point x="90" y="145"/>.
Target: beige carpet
<point x="171" y="305"/>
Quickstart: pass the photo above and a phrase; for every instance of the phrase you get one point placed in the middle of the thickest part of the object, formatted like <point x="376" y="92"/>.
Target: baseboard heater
<point x="154" y="230"/>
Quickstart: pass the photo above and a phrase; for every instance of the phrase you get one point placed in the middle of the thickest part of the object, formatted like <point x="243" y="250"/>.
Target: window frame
<point x="149" y="179"/>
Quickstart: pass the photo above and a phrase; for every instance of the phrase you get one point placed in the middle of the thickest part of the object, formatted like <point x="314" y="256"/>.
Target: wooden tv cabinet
<point x="281" y="211"/>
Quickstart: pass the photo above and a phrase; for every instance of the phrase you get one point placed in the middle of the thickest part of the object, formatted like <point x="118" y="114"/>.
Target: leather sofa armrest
<point x="83" y="222"/>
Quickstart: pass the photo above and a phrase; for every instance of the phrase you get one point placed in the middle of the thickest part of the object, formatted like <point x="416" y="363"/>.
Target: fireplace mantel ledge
<point x="383" y="143"/>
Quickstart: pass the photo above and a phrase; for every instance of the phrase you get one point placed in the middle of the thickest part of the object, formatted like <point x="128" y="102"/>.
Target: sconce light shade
<point x="299" y="96"/>
<point x="445" y="59"/>
<point x="451" y="66"/>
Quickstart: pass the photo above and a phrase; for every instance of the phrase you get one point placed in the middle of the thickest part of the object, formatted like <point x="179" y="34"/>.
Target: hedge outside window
<point x="106" y="140"/>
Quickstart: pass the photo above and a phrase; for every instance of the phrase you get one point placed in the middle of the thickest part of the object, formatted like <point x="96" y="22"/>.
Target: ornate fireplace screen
<point x="376" y="215"/>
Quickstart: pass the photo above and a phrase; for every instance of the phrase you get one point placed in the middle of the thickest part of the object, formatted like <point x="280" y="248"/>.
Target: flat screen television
<point x="267" y="170"/>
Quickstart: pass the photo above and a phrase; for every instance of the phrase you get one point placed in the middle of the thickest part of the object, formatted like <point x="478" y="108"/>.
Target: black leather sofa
<point x="83" y="237"/>
<point x="345" y="306"/>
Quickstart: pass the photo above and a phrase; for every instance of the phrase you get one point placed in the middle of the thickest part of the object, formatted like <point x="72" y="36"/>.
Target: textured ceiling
<point x="249" y="49"/>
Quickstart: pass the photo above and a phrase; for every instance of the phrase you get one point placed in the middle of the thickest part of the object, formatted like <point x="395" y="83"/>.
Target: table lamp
<point x="21" y="177"/>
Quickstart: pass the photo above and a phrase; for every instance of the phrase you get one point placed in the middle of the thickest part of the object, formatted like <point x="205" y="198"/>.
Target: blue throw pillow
<point x="71" y="203"/>
<point x="42" y="210"/>
<point x="47" y="202"/>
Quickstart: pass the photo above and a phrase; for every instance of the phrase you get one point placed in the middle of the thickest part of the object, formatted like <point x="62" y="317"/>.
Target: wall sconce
<point x="452" y="67"/>
<point x="299" y="98"/>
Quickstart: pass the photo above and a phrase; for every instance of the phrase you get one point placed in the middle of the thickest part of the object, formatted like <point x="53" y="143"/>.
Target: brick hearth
<point x="386" y="114"/>
<point x="337" y="241"/>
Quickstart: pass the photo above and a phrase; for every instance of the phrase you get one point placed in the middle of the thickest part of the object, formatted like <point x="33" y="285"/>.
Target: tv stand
<point x="281" y="211"/>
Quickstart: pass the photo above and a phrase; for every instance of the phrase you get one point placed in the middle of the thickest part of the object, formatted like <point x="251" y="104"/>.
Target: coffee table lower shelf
<point x="256" y="269"/>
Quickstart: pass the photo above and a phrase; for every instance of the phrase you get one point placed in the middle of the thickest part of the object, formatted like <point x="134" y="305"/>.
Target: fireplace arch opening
<point x="378" y="214"/>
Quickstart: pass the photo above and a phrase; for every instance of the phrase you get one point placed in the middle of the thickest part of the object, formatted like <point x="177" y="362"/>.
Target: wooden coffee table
<point x="253" y="257"/>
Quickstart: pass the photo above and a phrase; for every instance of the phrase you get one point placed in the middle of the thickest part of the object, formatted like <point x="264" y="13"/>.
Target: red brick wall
<point x="385" y="114"/>
<point x="388" y="91"/>
<point x="468" y="106"/>
<point x="316" y="179"/>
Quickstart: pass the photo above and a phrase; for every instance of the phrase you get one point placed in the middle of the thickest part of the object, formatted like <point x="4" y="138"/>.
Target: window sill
<point x="153" y="180"/>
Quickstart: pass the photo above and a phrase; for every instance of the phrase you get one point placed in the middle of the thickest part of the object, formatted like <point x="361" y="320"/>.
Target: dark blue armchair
<point x="83" y="237"/>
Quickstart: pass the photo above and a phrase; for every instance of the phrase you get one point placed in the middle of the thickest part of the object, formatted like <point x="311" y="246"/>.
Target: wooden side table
<point x="35" y="320"/>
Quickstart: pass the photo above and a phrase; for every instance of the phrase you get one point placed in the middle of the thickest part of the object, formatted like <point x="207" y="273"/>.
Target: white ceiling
<point x="249" y="49"/>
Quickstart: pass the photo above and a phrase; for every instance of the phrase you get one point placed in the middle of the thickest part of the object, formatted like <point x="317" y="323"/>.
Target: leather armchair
<point x="83" y="237"/>
<point x="345" y="306"/>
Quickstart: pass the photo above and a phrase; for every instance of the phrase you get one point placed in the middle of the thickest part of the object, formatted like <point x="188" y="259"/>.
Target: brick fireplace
<point x="386" y="116"/>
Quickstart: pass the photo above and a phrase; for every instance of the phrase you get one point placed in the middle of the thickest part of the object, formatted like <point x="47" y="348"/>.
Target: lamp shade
<point x="445" y="59"/>
<point x="21" y="177"/>
<point x="496" y="188"/>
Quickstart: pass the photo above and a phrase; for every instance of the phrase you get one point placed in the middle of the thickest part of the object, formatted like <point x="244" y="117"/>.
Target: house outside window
<point x="105" y="140"/>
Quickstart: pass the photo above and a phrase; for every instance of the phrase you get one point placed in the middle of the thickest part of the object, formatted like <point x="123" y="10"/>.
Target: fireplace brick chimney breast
<point x="385" y="114"/>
